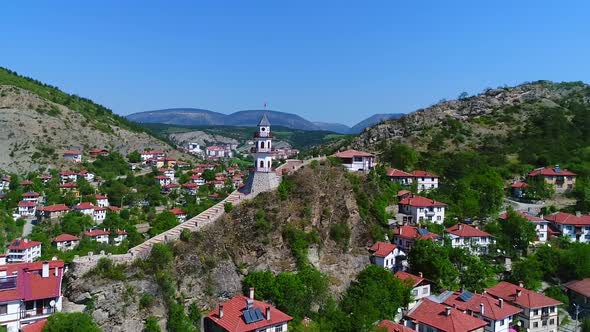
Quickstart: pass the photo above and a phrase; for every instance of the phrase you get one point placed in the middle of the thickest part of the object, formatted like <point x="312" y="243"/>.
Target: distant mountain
<point x="373" y="120"/>
<point x="200" y="117"/>
<point x="180" y="116"/>
<point x="335" y="127"/>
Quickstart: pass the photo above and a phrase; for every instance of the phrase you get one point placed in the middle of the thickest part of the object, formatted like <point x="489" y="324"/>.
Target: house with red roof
<point x="97" y="213"/>
<point x="424" y="180"/>
<point x="20" y="251"/>
<point x="384" y="254"/>
<point x="421" y="287"/>
<point x="405" y="236"/>
<point x="119" y="236"/>
<point x="470" y="238"/>
<point x="162" y="180"/>
<point x="102" y="200"/>
<point x="98" y="152"/>
<point x="179" y="213"/>
<point x="68" y="176"/>
<point x="30" y="293"/>
<point x="389" y="326"/>
<point x="31" y="196"/>
<point x="538" y="312"/>
<point x="152" y="154"/>
<point x="542" y="227"/>
<point x="418" y="209"/>
<point x="399" y="176"/>
<point x="198" y="180"/>
<point x="5" y="183"/>
<point x="355" y="161"/>
<point x="575" y="227"/>
<point x="53" y="211"/>
<point x="579" y="292"/>
<point x="517" y="189"/>
<point x="430" y="316"/>
<point x="27" y="208"/>
<point x="169" y="172"/>
<point x="170" y="188"/>
<point x="73" y="156"/>
<point x="190" y="188"/>
<point x="98" y="235"/>
<point x="88" y="176"/>
<point x="561" y="180"/>
<point x="498" y="314"/>
<point x="65" y="242"/>
<point x="246" y="314"/>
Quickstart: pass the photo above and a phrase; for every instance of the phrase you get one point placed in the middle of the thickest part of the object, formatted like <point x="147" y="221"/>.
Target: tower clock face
<point x="263" y="129"/>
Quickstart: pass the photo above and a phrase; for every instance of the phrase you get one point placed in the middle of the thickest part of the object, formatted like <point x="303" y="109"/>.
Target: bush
<point x="107" y="269"/>
<point x="146" y="301"/>
<point x="228" y="207"/>
<point x="340" y="233"/>
<point x="70" y="322"/>
<point x="151" y="325"/>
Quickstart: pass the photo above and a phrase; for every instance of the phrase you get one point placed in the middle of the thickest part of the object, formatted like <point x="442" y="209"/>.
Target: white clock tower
<point x="263" y="152"/>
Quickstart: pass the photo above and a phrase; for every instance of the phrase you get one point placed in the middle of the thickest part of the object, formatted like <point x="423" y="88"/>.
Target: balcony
<point x="262" y="135"/>
<point x="430" y="213"/>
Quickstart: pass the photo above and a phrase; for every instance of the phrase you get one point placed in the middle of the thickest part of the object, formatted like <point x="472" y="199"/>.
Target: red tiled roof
<point x="419" y="201"/>
<point x="67" y="173"/>
<point x="491" y="306"/>
<point x="99" y="197"/>
<point x="233" y="319"/>
<point x="396" y="173"/>
<point x="26" y="183"/>
<point x="171" y="186"/>
<point x="177" y="211"/>
<point x="114" y="208"/>
<point x="190" y="185"/>
<point x="416" y="280"/>
<point x="390" y="326"/>
<point x="120" y="232"/>
<point x="97" y="151"/>
<point x="45" y="177"/>
<point x="34" y="327"/>
<point x="463" y="230"/>
<point x="423" y="174"/>
<point x="519" y="184"/>
<point x="563" y="218"/>
<point x="69" y="185"/>
<point x="65" y="237"/>
<point x="84" y="206"/>
<point x="161" y="177"/>
<point x="96" y="232"/>
<point x="23" y="244"/>
<point x="71" y="152"/>
<point x="54" y="208"/>
<point x="403" y="192"/>
<point x="153" y="152"/>
<point x="524" y="215"/>
<point x="30" y="285"/>
<point x="434" y="314"/>
<point x="550" y="171"/>
<point x="195" y="177"/>
<point x="31" y="194"/>
<point x="580" y="286"/>
<point x="26" y="204"/>
<point x="527" y="298"/>
<point x="382" y="249"/>
<point x="411" y="232"/>
<point x="352" y="153"/>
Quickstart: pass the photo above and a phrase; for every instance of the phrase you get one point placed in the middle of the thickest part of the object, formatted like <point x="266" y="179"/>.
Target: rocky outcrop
<point x="486" y="103"/>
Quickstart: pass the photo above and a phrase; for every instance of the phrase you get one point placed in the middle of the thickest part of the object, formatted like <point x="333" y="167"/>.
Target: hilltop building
<point x="561" y="180"/>
<point x="356" y="161"/>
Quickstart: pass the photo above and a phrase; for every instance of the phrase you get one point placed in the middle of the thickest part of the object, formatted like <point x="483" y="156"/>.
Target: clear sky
<point x="333" y="61"/>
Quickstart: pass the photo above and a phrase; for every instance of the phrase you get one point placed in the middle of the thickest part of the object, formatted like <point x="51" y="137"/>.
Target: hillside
<point x="501" y="118"/>
<point x="40" y="122"/>
<point x="373" y="120"/>
<point x="275" y="232"/>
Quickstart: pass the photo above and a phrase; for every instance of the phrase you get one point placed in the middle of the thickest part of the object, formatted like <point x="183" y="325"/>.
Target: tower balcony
<point x="263" y="135"/>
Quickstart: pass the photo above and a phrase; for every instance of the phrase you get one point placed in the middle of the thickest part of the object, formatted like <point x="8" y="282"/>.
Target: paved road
<point x="28" y="227"/>
<point x="519" y="206"/>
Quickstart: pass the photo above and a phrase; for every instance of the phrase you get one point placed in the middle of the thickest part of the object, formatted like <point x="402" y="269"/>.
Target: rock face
<point x="201" y="138"/>
<point x="408" y="127"/>
<point x="35" y="132"/>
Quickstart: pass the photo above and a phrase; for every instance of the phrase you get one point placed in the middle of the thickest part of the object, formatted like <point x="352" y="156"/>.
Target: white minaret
<point x="263" y="138"/>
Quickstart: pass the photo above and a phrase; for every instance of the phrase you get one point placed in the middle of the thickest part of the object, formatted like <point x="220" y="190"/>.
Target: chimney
<point x="541" y="216"/>
<point x="521" y="284"/>
<point x="460" y="227"/>
<point x="221" y="311"/>
<point x="557" y="169"/>
<point x="26" y="240"/>
<point x="2" y="259"/>
<point x="578" y="214"/>
<point x="481" y="309"/>
<point x="267" y="313"/>
<point x="501" y="303"/>
<point x="251" y="293"/>
<point x="400" y="230"/>
<point x="420" y="275"/>
<point x="518" y="292"/>
<point x="45" y="270"/>
<point x="448" y="311"/>
<point x="56" y="271"/>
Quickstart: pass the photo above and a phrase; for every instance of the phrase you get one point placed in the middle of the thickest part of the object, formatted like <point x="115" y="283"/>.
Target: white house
<point x="405" y="236"/>
<point x="420" y="209"/>
<point x="399" y="176"/>
<point x="5" y="183"/>
<point x="420" y="285"/>
<point x="425" y="180"/>
<point x="102" y="201"/>
<point x="98" y="235"/>
<point x="119" y="236"/>
<point x="194" y="148"/>
<point x="30" y="293"/>
<point x="86" y="175"/>
<point x="168" y="172"/>
<point x="162" y="180"/>
<point x="575" y="227"/>
<point x="499" y="314"/>
<point x="20" y="251"/>
<point x="99" y="214"/>
<point x="179" y="213"/>
<point x="53" y="211"/>
<point x="354" y="160"/>
<point x="470" y="238"/>
<point x="31" y="196"/>
<point x="73" y="155"/>
<point x="190" y="188"/>
<point x="66" y="242"/>
<point x="68" y="176"/>
<point x="86" y="208"/>
<point x="152" y="154"/>
<point x="198" y="180"/>
<point x="27" y="208"/>
<point x="538" y="312"/>
<point x="384" y="254"/>
<point x="430" y="316"/>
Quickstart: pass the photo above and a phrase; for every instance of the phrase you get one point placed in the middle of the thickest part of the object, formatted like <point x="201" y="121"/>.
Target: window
<point x="279" y="328"/>
<point x="536" y="312"/>
<point x="551" y="321"/>
<point x="262" y="145"/>
<point x="457" y="240"/>
<point x="358" y="159"/>
<point x="30" y="305"/>
<point x="422" y="179"/>
<point x="438" y="218"/>
<point x="414" y="292"/>
<point x="502" y="322"/>
<point x="544" y="323"/>
<point x="424" y="290"/>
<point x="536" y="324"/>
<point x="552" y="309"/>
<point x="3" y="309"/>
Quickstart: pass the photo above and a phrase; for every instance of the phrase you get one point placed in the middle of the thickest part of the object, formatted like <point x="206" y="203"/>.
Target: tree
<point x="151" y="325"/>
<point x="528" y="271"/>
<point x="463" y="95"/>
<point x="515" y="233"/>
<point x="163" y="222"/>
<point x="161" y="256"/>
<point x="134" y="157"/>
<point x="194" y="314"/>
<point x="433" y="260"/>
<point x="400" y="156"/>
<point x="209" y="175"/>
<point x="70" y="322"/>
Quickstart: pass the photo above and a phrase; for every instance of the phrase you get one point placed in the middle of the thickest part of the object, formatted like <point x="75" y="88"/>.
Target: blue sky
<point x="333" y="61"/>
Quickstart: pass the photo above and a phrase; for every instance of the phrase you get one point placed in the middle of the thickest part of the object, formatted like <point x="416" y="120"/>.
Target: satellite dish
<point x="52" y="303"/>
